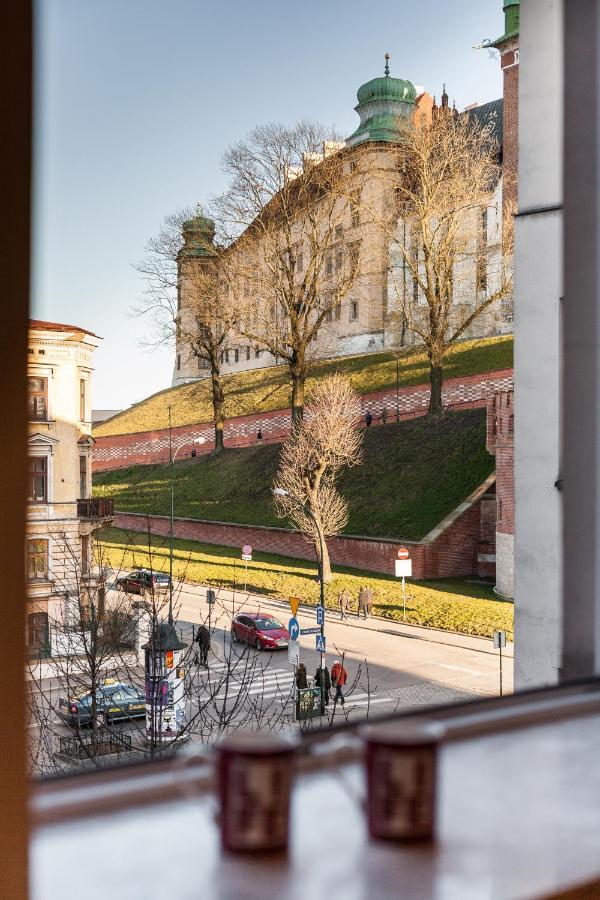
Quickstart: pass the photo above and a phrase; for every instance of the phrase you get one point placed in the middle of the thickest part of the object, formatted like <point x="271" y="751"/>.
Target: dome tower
<point x="382" y="103"/>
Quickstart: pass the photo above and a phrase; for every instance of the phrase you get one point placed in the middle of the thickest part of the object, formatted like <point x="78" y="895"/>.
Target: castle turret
<point x="382" y="104"/>
<point x="508" y="47"/>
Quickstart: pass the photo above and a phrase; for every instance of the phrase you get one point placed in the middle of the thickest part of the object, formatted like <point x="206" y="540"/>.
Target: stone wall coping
<point x="368" y="397"/>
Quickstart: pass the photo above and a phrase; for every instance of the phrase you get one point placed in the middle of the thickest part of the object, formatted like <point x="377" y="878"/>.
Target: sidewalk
<point x="375" y="623"/>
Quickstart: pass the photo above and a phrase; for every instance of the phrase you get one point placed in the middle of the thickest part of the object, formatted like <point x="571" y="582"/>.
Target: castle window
<point x="329" y="266"/>
<point x="353" y="310"/>
<point x="257" y="354"/>
<point x="236" y="355"/>
<point x="247" y="353"/>
<point x="178" y="361"/>
<point x="338" y="311"/>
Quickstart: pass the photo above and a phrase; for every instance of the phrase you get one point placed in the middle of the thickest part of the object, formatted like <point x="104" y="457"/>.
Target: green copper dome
<point x="382" y="103"/>
<point x="198" y="236"/>
<point x="386" y="88"/>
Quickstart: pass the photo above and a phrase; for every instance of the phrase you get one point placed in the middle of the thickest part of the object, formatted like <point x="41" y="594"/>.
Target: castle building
<point x="365" y="319"/>
<point x="61" y="514"/>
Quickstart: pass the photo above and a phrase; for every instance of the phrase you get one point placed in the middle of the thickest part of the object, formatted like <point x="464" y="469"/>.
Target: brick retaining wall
<point x="452" y="553"/>
<point x="141" y="448"/>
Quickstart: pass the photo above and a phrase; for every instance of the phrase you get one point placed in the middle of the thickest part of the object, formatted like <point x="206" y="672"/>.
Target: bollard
<point x="254" y="786"/>
<point x="401" y="775"/>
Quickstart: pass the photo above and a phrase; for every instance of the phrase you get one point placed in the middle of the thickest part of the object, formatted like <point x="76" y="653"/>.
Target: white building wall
<point x="538" y="288"/>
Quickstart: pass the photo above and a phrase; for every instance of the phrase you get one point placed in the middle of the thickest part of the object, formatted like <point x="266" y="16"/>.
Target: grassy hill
<point x="414" y="473"/>
<point x="454" y="604"/>
<point x="265" y="389"/>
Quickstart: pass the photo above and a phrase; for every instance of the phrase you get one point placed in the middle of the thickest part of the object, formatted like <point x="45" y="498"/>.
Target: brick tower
<point x="508" y="47"/>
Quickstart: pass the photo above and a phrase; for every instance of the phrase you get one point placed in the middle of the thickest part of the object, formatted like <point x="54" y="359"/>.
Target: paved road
<point x="389" y="665"/>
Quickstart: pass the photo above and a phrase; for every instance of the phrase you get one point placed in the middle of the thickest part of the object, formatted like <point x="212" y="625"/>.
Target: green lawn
<point x="414" y="473"/>
<point x="452" y="604"/>
<point x="265" y="389"/>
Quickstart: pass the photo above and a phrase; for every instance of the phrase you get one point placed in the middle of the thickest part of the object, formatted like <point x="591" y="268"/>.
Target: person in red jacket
<point x="339" y="677"/>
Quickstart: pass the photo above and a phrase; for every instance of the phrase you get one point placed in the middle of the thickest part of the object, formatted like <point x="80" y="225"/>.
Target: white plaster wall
<point x="538" y="288"/>
<point x="505" y="564"/>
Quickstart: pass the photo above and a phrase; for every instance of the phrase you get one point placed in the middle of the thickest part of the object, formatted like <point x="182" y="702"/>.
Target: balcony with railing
<point x="96" y="508"/>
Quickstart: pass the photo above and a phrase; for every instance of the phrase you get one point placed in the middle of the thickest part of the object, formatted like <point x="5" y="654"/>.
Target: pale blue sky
<point x="137" y="100"/>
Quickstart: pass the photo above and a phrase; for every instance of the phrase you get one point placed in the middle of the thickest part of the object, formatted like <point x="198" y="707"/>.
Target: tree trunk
<point x="298" y="380"/>
<point x="436" y="381"/>
<point x="327" y="574"/>
<point x="218" y="401"/>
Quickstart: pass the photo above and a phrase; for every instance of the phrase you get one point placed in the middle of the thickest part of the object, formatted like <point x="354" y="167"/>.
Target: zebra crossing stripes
<point x="270" y="684"/>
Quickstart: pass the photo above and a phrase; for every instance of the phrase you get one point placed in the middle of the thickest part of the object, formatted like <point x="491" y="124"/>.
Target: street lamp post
<point x="280" y="492"/>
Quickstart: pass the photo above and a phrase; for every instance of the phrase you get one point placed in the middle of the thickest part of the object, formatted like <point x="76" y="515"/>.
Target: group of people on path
<point x="365" y="603"/>
<point x="337" y="679"/>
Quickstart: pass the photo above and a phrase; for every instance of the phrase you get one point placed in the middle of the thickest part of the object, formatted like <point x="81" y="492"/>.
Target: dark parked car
<point x="143" y="581"/>
<point x="114" y="700"/>
<point x="261" y="631"/>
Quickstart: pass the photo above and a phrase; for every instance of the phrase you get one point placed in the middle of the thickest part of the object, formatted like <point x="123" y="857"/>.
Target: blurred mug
<point x="401" y="771"/>
<point x="254" y="786"/>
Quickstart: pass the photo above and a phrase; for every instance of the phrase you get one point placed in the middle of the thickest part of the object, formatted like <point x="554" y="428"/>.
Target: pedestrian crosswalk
<point x="224" y="681"/>
<point x="269" y="683"/>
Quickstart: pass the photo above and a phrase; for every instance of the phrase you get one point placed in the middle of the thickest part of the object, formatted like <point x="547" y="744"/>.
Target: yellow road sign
<point x="294" y="604"/>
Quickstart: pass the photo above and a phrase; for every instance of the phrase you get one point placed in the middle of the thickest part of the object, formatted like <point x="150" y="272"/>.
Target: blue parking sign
<point x="294" y="628"/>
<point x="320" y="615"/>
<point x="320" y="643"/>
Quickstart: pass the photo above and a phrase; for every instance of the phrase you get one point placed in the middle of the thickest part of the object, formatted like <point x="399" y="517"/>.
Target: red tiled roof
<point x="37" y="324"/>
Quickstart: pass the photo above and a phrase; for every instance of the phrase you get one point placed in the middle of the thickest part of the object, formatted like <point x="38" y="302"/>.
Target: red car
<point x="260" y="630"/>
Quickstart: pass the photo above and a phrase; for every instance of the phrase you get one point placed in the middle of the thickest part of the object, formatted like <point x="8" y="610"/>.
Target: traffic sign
<point x="247" y="550"/>
<point x="294" y="628"/>
<point x="403" y="553"/>
<point x="320" y="615"/>
<point x="316" y="630"/>
<point x="247" y="556"/>
<point x="294" y="604"/>
<point x="294" y="653"/>
<point x="403" y="568"/>
<point x="211" y="597"/>
<point x="499" y="639"/>
<point x="320" y="643"/>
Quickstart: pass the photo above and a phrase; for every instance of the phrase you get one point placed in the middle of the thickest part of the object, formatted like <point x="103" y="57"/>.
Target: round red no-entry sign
<point x="247" y="550"/>
<point x="403" y="553"/>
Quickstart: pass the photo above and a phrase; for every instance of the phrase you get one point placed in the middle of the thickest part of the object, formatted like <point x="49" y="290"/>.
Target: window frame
<point x="35" y="394"/>
<point x="30" y="558"/>
<point x="33" y="474"/>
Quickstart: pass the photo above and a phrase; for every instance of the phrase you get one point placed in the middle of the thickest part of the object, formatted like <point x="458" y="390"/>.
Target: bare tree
<point x="97" y="638"/>
<point x="186" y="300"/>
<point x="447" y="205"/>
<point x="320" y="445"/>
<point x="289" y="266"/>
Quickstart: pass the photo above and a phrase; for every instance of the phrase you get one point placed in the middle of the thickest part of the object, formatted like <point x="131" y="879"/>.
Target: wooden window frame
<point x="34" y="474"/>
<point x="34" y="395"/>
<point x="35" y="570"/>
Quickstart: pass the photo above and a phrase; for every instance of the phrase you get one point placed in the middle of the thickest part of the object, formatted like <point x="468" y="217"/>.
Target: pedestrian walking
<point x="384" y="415"/>
<point x="344" y="603"/>
<point x="326" y="681"/>
<point x="203" y="640"/>
<point x="339" y="677"/>
<point x="369" y="599"/>
<point x="362" y="602"/>
<point x="301" y="679"/>
<point x="368" y="418"/>
<point x="259" y="435"/>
